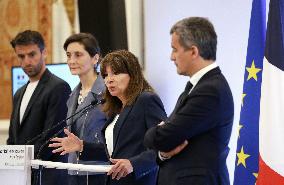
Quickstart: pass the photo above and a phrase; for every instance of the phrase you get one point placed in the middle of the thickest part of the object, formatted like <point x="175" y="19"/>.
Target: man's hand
<point x="174" y="151"/>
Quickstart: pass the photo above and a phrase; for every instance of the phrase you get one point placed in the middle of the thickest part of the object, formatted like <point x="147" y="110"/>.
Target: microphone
<point x="82" y="111"/>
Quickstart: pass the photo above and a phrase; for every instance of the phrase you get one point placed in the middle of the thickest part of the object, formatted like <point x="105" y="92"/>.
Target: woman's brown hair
<point x="123" y="61"/>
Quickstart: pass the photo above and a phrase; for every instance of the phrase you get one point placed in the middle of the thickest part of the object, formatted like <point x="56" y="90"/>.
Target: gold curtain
<point x="16" y="16"/>
<point x="70" y="10"/>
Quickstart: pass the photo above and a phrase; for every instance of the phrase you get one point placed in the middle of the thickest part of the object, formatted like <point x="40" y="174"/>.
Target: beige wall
<point x="231" y="20"/>
<point x="4" y="125"/>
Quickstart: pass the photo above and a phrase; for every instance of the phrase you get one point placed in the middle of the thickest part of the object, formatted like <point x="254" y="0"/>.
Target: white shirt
<point x="109" y="135"/>
<point x="197" y="76"/>
<point x="26" y="98"/>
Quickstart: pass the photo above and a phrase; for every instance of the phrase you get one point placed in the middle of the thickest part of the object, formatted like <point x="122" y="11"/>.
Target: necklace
<point x="82" y="96"/>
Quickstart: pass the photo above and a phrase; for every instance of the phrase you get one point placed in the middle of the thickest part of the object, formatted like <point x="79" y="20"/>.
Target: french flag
<point x="271" y="118"/>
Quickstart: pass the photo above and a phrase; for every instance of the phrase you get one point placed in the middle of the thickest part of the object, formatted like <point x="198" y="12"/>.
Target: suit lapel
<point x="72" y="104"/>
<point x="45" y="77"/>
<point x="182" y="98"/>
<point x="17" y="108"/>
<point x="121" y="120"/>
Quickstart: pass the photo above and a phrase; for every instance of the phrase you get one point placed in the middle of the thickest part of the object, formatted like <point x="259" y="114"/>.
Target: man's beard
<point x="33" y="71"/>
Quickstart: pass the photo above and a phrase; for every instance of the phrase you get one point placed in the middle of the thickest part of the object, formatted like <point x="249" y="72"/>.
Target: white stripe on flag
<point x="271" y="121"/>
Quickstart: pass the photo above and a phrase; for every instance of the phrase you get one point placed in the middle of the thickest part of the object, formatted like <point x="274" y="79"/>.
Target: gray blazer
<point x="86" y="126"/>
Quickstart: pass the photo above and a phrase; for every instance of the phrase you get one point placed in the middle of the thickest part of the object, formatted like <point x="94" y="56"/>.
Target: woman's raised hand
<point x="68" y="144"/>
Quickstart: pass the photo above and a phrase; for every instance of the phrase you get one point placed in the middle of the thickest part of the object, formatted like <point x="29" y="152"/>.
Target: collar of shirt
<point x="197" y="76"/>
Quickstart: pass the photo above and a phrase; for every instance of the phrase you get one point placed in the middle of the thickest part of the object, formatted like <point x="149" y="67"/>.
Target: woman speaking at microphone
<point x="83" y="55"/>
<point x="132" y="108"/>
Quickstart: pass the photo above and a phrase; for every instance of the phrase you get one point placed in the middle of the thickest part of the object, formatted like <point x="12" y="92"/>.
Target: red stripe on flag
<point x="267" y="176"/>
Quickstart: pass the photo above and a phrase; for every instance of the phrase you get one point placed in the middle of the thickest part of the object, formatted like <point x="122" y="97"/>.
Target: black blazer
<point x="46" y="107"/>
<point x="204" y="118"/>
<point x="129" y="130"/>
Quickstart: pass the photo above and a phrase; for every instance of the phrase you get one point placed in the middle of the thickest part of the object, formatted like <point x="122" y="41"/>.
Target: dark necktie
<point x="185" y="92"/>
<point x="183" y="95"/>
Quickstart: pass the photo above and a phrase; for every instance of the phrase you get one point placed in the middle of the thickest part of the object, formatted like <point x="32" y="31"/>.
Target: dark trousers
<point x="82" y="179"/>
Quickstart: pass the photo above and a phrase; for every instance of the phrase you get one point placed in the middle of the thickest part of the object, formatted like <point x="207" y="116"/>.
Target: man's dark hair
<point x="28" y="37"/>
<point x="197" y="31"/>
<point x="89" y="42"/>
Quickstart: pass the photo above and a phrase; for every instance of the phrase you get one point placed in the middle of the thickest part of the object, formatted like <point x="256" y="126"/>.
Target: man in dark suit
<point x="39" y="104"/>
<point x="193" y="142"/>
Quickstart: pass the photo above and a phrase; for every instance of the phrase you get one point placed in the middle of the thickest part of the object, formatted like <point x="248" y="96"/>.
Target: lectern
<point x="16" y="162"/>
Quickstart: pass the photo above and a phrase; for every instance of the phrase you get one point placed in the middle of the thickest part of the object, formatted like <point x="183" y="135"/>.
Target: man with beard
<point x="38" y="105"/>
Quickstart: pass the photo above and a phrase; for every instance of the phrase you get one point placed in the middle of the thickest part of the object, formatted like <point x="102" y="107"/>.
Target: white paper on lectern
<point x="16" y="172"/>
<point x="12" y="157"/>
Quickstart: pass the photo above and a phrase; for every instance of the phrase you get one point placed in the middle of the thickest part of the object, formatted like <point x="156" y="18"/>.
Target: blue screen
<point x="19" y="78"/>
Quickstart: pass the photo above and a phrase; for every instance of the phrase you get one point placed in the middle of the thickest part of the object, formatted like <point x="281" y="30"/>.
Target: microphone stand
<point x="82" y="111"/>
<point x="93" y="103"/>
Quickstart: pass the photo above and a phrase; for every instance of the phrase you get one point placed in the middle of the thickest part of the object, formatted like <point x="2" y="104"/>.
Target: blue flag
<point x="247" y="154"/>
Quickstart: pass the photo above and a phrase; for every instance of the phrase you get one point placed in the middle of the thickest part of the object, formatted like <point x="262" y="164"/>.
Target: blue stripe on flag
<point x="274" y="40"/>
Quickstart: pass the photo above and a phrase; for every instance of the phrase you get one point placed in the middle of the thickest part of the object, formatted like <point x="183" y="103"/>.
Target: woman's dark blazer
<point x="129" y="130"/>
